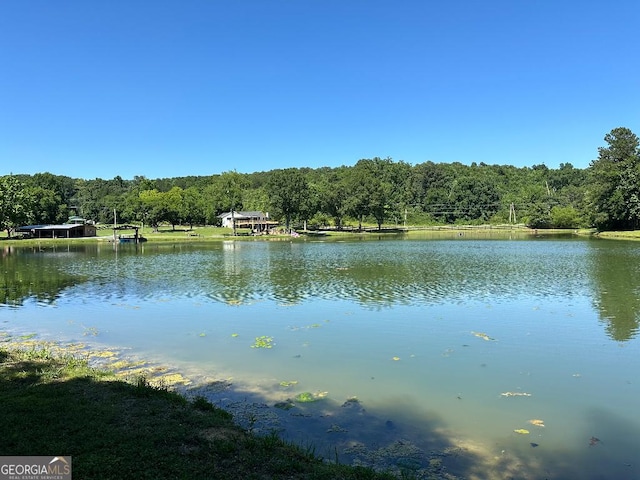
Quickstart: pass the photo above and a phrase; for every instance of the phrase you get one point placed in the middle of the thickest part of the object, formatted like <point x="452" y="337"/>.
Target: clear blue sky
<point x="197" y="87"/>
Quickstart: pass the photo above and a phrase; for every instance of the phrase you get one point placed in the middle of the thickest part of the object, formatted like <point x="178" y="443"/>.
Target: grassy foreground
<point x="56" y="404"/>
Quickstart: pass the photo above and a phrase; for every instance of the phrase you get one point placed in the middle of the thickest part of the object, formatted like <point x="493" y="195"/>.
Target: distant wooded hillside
<point x="376" y="191"/>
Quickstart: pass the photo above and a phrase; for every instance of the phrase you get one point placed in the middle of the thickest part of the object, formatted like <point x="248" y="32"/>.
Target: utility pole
<point x="512" y="213"/>
<point x="233" y="218"/>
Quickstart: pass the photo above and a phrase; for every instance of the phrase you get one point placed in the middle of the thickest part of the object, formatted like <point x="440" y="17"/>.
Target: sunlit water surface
<point x="429" y="335"/>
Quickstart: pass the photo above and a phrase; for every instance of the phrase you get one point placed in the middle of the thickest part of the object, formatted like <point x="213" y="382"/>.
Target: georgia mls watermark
<point x="35" y="468"/>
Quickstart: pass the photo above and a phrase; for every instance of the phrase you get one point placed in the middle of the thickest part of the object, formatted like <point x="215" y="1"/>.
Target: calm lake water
<point x="449" y="345"/>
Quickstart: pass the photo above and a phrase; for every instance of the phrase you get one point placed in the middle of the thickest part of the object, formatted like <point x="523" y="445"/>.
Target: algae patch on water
<point x="125" y="364"/>
<point x="483" y="336"/>
<point x="263" y="342"/>
<point x="308" y="397"/>
<point x="102" y="354"/>
<point x="287" y="384"/>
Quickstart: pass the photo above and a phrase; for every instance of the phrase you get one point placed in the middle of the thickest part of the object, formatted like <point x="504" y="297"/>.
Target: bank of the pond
<point x="54" y="402"/>
<point x="630" y="235"/>
<point x="217" y="234"/>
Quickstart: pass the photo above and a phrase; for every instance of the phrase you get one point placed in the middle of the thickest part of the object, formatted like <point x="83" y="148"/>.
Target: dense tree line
<point x="377" y="191"/>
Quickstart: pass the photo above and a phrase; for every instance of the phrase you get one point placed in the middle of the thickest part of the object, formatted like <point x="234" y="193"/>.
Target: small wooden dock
<point x="136" y="237"/>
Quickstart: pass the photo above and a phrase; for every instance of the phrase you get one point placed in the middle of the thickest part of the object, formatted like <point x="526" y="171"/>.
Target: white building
<point x="256" y="221"/>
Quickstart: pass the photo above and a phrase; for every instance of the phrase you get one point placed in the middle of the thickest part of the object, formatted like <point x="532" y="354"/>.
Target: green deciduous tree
<point x="288" y="193"/>
<point x="333" y="191"/>
<point x="226" y="193"/>
<point x="172" y="206"/>
<point x="565" y="217"/>
<point x="377" y="187"/>
<point x="48" y="207"/>
<point x="151" y="207"/>
<point x="474" y="198"/>
<point x="194" y="207"/>
<point x="16" y="204"/>
<point x="431" y="185"/>
<point x="615" y="182"/>
<point x="55" y="197"/>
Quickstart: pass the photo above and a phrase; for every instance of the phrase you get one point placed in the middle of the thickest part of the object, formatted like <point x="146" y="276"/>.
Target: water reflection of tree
<point x="379" y="275"/>
<point x="41" y="279"/>
<point x="616" y="274"/>
<point x="292" y="278"/>
<point x="230" y="278"/>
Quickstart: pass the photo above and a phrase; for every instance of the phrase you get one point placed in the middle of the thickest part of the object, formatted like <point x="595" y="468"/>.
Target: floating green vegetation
<point x="202" y="334"/>
<point x="93" y="331"/>
<point x="515" y="394"/>
<point x="483" y="336"/>
<point x="263" y="342"/>
<point x="308" y="397"/>
<point x="170" y="380"/>
<point x="234" y="335"/>
<point x="102" y="354"/>
<point x="125" y="364"/>
<point x="289" y="383"/>
<point x="305" y="397"/>
<point x="306" y="327"/>
<point x="28" y="336"/>
<point x="157" y="377"/>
